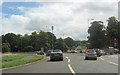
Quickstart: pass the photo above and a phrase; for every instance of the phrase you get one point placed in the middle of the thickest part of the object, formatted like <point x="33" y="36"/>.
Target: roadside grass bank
<point x="18" y="60"/>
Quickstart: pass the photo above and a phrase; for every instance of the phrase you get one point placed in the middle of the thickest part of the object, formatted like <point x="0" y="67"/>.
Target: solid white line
<point x="68" y="60"/>
<point x="113" y="63"/>
<point x="101" y="58"/>
<point x="71" y="69"/>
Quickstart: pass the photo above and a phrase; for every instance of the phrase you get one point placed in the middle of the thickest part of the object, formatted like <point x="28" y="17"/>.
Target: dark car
<point x="48" y="52"/>
<point x="102" y="52"/>
<point x="98" y="52"/>
<point x="40" y="53"/>
<point x="90" y="54"/>
<point x="56" y="54"/>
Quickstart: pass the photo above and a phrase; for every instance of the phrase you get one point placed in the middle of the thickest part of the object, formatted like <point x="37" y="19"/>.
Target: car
<point x="83" y="51"/>
<point x="90" y="54"/>
<point x="73" y="51"/>
<point x="98" y="52"/>
<point x="102" y="52"/>
<point x="40" y="53"/>
<point x="48" y="52"/>
<point x="56" y="55"/>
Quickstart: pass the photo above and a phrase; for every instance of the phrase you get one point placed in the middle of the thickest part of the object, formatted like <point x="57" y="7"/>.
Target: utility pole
<point x="63" y="41"/>
<point x="52" y="36"/>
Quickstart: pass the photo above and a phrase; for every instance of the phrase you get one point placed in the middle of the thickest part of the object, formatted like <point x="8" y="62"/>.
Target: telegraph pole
<point x="52" y="36"/>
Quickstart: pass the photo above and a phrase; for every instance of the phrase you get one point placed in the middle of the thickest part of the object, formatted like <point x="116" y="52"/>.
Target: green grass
<point x="21" y="62"/>
<point x="11" y="58"/>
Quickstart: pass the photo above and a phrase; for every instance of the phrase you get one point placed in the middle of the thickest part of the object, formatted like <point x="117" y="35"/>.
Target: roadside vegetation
<point x="11" y="61"/>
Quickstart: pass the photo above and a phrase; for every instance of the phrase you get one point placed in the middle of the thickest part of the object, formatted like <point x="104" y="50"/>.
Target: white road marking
<point x="113" y="63"/>
<point x="68" y="60"/>
<point x="109" y="62"/>
<point x="101" y="58"/>
<point x="67" y="57"/>
<point x="71" y="69"/>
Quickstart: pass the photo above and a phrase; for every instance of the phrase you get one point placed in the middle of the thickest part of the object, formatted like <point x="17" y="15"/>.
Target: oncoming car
<point x="56" y="55"/>
<point x="90" y="54"/>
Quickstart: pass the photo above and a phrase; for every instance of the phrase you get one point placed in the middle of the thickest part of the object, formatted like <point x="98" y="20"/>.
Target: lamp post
<point x="52" y="36"/>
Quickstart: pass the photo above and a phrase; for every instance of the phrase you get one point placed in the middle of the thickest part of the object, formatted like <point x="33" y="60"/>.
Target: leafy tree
<point x="11" y="39"/>
<point x="5" y="47"/>
<point x="113" y="31"/>
<point x="50" y="40"/>
<point x="28" y="49"/>
<point x="69" y="42"/>
<point x="97" y="35"/>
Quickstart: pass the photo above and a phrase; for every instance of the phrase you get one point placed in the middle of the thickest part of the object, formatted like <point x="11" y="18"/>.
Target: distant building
<point x="119" y="10"/>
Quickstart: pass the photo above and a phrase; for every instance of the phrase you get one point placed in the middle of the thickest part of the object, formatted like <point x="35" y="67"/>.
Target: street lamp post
<point x="63" y="41"/>
<point x="52" y="36"/>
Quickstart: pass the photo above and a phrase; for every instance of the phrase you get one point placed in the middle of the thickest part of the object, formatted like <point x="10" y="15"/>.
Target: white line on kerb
<point x="113" y="63"/>
<point x="68" y="60"/>
<point x="101" y="58"/>
<point x="71" y="69"/>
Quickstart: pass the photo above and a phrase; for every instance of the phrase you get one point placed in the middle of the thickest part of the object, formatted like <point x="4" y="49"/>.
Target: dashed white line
<point x="71" y="69"/>
<point x="68" y="60"/>
<point x="113" y="63"/>
<point x="67" y="57"/>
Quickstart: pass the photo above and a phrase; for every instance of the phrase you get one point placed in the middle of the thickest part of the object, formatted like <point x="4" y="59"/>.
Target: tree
<point x="11" y="39"/>
<point x="5" y="47"/>
<point x="97" y="35"/>
<point x="28" y="49"/>
<point x="69" y="42"/>
<point x="50" y="39"/>
<point x="112" y="31"/>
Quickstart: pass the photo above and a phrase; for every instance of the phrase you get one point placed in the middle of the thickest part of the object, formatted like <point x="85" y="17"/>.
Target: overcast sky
<point x="69" y="18"/>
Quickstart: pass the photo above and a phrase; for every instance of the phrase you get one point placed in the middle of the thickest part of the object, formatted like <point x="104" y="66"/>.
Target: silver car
<point x="56" y="54"/>
<point x="90" y="54"/>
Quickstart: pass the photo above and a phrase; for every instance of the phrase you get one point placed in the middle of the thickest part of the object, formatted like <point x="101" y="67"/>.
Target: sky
<point x="69" y="18"/>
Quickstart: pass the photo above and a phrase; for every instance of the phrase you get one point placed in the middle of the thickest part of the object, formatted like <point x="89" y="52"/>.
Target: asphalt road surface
<point x="72" y="63"/>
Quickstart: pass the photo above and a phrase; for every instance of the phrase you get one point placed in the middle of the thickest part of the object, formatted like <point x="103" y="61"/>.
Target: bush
<point x="6" y="47"/>
<point x="28" y="49"/>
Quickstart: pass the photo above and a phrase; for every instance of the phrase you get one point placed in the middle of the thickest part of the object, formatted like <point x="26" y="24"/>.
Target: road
<point x="72" y="63"/>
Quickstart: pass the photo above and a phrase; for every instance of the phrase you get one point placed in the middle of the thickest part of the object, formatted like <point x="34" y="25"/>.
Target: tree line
<point x="12" y="42"/>
<point x="104" y="36"/>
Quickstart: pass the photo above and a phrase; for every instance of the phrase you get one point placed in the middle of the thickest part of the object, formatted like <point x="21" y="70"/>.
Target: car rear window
<point x="90" y="51"/>
<point x="56" y="50"/>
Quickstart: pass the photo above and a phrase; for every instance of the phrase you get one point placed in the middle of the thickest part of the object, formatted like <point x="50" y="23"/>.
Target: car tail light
<point x="51" y="52"/>
<point x="98" y="51"/>
<point x="95" y="53"/>
<point x="86" y="53"/>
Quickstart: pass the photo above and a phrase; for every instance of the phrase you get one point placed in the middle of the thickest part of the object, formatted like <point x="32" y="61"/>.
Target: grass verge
<point x="21" y="62"/>
<point x="11" y="58"/>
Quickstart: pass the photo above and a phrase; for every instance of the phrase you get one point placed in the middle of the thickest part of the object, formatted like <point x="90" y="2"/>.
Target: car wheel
<point x="62" y="59"/>
<point x="51" y="59"/>
<point x="86" y="58"/>
<point x="95" y="58"/>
